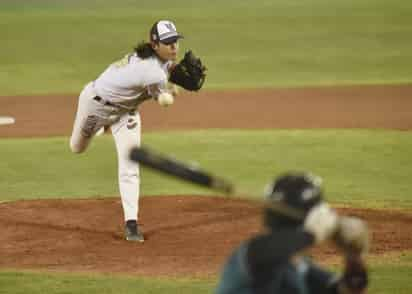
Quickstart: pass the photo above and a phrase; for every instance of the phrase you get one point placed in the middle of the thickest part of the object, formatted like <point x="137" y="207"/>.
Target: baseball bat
<point x="189" y="173"/>
<point x="180" y="170"/>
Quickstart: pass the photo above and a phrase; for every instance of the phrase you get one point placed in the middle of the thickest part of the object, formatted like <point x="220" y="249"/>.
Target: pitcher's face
<point x="167" y="52"/>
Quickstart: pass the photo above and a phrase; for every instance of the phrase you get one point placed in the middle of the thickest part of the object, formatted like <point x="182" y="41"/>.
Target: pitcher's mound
<point x="186" y="235"/>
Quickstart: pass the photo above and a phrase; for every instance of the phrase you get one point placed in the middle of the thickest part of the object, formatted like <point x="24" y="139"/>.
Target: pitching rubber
<point x="7" y="120"/>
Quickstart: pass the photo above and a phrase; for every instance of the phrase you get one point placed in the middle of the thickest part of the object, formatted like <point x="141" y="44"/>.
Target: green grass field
<point x="362" y="167"/>
<point x="392" y="279"/>
<point x="53" y="46"/>
<point x="57" y="46"/>
<point x="39" y="283"/>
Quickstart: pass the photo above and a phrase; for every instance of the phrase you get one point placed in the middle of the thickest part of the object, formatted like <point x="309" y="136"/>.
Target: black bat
<point x="180" y="170"/>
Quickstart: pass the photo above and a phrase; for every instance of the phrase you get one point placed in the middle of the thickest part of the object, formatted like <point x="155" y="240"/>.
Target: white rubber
<point x="7" y="120"/>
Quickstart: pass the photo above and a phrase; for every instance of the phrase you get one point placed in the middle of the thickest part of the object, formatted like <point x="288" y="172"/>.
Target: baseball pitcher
<point x="112" y="100"/>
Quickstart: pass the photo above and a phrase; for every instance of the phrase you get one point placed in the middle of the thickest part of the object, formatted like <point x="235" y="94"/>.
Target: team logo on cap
<point x="166" y="29"/>
<point x="170" y="27"/>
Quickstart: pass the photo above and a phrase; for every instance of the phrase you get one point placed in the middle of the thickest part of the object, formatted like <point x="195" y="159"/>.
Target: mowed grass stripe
<point x="361" y="167"/>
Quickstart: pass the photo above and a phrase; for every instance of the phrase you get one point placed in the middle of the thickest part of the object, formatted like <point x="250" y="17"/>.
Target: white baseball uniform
<point x="112" y="100"/>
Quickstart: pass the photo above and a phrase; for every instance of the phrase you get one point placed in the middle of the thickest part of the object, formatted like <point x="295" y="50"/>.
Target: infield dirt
<point x="385" y="107"/>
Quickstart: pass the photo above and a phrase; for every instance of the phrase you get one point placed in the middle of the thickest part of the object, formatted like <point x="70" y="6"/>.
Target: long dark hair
<point x="144" y="50"/>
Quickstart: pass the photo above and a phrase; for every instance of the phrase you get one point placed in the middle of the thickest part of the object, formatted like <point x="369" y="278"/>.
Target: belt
<point x="104" y="102"/>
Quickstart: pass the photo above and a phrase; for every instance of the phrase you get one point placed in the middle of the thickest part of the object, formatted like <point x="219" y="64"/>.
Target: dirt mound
<point x="186" y="235"/>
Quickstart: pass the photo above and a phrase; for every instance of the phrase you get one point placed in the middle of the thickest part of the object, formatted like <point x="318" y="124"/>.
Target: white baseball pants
<point x="126" y="129"/>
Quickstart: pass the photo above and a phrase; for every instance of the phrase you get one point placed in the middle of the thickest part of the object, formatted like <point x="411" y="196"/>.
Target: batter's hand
<point x="352" y="236"/>
<point x="321" y="222"/>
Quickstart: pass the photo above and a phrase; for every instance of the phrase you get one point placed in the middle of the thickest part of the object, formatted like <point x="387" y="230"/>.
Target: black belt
<point x="104" y="102"/>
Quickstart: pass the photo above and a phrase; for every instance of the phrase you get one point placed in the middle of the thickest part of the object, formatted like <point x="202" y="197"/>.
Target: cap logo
<point x="166" y="29"/>
<point x="170" y="27"/>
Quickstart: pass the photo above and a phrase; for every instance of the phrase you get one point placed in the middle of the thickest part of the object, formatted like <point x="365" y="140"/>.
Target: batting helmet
<point x="289" y="199"/>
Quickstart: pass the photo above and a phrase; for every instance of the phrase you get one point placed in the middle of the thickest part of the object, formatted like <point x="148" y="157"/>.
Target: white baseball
<point x="165" y="99"/>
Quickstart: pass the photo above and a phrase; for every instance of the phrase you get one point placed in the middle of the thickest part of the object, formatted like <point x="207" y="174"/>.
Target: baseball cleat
<point x="132" y="232"/>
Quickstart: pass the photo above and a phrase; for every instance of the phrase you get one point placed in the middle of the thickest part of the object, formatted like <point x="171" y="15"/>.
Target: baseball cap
<point x="164" y="31"/>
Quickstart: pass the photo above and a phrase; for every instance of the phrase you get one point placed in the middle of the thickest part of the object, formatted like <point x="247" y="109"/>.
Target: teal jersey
<point x="278" y="278"/>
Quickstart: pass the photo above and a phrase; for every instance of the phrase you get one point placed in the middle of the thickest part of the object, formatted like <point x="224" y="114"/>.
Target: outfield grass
<point x="360" y="167"/>
<point x="58" y="46"/>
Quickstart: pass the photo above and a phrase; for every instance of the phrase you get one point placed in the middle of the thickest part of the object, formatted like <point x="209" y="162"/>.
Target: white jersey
<point x="131" y="78"/>
<point x="111" y="102"/>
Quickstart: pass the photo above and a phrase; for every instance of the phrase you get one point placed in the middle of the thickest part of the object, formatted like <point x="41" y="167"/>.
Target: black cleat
<point x="132" y="233"/>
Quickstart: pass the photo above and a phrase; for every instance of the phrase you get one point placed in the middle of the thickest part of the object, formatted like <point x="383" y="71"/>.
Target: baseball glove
<point x="189" y="73"/>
